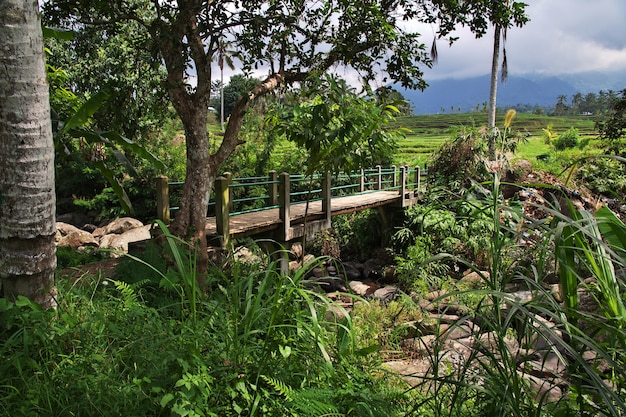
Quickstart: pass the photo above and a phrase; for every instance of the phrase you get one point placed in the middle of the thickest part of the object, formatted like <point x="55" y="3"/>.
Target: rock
<point x="68" y="235"/>
<point x="351" y="272"/>
<point x="385" y="294"/>
<point x="475" y="279"/>
<point x="412" y="372"/>
<point x="76" y="219"/>
<point x="545" y="391"/>
<point x="119" y="242"/>
<point x="389" y="275"/>
<point x="361" y="289"/>
<point x="296" y="251"/>
<point x="122" y="225"/>
<point x="328" y="284"/>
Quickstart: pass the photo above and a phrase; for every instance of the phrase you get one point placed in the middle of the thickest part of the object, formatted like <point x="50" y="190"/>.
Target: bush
<point x="566" y="140"/>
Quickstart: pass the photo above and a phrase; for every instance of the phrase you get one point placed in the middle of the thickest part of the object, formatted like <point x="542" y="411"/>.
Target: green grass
<point x="429" y="132"/>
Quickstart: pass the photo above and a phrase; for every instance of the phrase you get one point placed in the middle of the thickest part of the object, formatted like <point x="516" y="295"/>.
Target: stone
<point x="422" y="345"/>
<point x="352" y="272"/>
<point x="71" y="236"/>
<point x="412" y="372"/>
<point x="475" y="279"/>
<point x="122" y="225"/>
<point x="76" y="219"/>
<point x="545" y="391"/>
<point x="296" y="252"/>
<point x="118" y="243"/>
<point x="385" y="294"/>
<point x="361" y="289"/>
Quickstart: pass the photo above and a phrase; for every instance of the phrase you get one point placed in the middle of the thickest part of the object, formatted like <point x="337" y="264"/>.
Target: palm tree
<point x="224" y="56"/>
<point x="27" y="198"/>
<point x="502" y="16"/>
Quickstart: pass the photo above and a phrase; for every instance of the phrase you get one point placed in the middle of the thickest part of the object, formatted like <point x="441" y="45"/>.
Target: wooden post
<point x="395" y="176"/>
<point x="418" y="179"/>
<point x="326" y="196"/>
<point x="163" y="199"/>
<point x="362" y="181"/>
<point x="273" y="188"/>
<point x="222" y="210"/>
<point x="379" y="178"/>
<point x="403" y="185"/>
<point x="284" y="188"/>
<point x="229" y="178"/>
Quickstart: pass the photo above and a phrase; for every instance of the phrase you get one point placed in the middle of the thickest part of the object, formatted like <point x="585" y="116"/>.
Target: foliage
<point x="605" y="176"/>
<point x="68" y="257"/>
<point x="566" y="140"/>
<point x="81" y="152"/>
<point x="358" y="234"/>
<point x="237" y="86"/>
<point x="257" y="346"/>
<point x="121" y="62"/>
<point x="613" y="127"/>
<point x="587" y="105"/>
<point x="489" y="378"/>
<point x="341" y="130"/>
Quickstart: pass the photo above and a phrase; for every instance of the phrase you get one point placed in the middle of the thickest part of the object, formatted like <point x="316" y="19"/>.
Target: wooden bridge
<point x="286" y="207"/>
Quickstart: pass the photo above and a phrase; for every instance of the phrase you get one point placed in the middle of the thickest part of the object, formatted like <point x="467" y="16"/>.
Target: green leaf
<point x="57" y="33"/>
<point x="119" y="191"/>
<point x="612" y="228"/>
<point x="84" y="113"/>
<point x="166" y="399"/>
<point x="285" y="351"/>
<point x="133" y="147"/>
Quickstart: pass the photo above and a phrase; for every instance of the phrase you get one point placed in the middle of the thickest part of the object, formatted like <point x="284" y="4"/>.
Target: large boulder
<point x="118" y="243"/>
<point x="118" y="227"/>
<point x="72" y="236"/>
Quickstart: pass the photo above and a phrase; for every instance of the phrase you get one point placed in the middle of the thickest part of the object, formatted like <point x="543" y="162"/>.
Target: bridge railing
<point x="232" y="196"/>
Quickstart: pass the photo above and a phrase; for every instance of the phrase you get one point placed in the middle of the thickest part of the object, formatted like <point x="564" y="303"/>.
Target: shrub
<point x="567" y="140"/>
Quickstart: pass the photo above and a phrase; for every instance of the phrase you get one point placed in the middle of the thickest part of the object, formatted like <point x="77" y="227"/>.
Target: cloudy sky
<point x="562" y="37"/>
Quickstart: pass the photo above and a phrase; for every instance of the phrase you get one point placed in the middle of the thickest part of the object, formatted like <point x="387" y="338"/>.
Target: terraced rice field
<point x="428" y="132"/>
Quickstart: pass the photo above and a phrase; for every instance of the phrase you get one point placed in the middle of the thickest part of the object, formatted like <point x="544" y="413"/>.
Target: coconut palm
<point x="27" y="199"/>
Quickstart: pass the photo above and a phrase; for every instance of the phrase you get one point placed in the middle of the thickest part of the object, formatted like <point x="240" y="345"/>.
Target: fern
<point x="128" y="291"/>
<point x="279" y="386"/>
<point x="314" y="402"/>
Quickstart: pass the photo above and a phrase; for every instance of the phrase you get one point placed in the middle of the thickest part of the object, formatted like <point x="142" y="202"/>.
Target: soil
<point x="105" y="269"/>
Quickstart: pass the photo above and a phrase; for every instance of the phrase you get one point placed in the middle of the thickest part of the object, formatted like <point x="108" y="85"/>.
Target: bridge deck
<point x="253" y="223"/>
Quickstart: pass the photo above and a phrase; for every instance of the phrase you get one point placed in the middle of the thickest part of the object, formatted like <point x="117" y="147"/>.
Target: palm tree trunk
<point x="493" y="90"/>
<point x="27" y="196"/>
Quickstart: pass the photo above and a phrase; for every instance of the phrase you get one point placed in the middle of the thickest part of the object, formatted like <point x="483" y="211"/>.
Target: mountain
<point x="541" y="91"/>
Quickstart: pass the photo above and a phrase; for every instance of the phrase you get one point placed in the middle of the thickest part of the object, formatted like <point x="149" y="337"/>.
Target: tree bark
<point x="493" y="91"/>
<point x="493" y="88"/>
<point x="27" y="195"/>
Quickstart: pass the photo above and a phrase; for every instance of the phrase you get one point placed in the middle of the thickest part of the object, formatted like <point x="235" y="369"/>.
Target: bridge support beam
<point x="222" y="211"/>
<point x="163" y="199"/>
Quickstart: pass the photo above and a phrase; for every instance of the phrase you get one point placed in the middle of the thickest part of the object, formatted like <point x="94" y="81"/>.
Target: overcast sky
<point x="562" y="37"/>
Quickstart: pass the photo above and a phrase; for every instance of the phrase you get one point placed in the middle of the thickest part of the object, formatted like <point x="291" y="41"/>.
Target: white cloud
<point x="562" y="37"/>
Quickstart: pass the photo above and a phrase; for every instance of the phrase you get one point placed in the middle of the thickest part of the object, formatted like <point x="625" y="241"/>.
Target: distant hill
<point x="465" y="94"/>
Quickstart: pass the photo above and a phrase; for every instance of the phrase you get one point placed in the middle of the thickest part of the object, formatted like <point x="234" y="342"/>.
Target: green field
<point x="428" y="132"/>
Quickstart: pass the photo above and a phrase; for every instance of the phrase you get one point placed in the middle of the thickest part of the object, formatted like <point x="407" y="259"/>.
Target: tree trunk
<point x="27" y="196"/>
<point x="190" y="221"/>
<point x="493" y="88"/>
